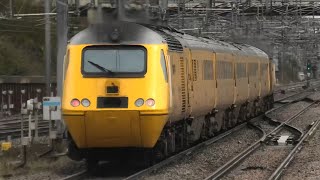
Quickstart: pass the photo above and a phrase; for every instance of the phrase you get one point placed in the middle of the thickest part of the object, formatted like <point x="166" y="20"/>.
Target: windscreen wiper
<point x="101" y="67"/>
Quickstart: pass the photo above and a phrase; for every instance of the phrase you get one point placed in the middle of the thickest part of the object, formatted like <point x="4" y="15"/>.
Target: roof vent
<point x="173" y="43"/>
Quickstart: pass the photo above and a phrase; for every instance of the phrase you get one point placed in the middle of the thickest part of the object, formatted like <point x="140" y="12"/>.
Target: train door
<point x="264" y="79"/>
<point x="253" y="70"/>
<point x="202" y="84"/>
<point x="272" y="75"/>
<point x="189" y="71"/>
<point x="224" y="80"/>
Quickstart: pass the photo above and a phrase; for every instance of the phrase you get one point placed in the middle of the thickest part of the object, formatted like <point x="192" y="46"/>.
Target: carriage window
<point x="114" y="60"/>
<point x="163" y="66"/>
<point x="207" y="70"/>
<point x="225" y="70"/>
<point x="253" y="68"/>
<point x="264" y="69"/>
<point x="241" y="70"/>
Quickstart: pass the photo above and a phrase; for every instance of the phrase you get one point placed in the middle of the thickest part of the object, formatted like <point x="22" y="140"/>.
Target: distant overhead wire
<point x="4" y="5"/>
<point x="22" y="26"/>
<point x="21" y="6"/>
<point x="17" y="31"/>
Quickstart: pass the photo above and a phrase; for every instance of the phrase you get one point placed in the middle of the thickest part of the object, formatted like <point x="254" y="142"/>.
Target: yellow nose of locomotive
<point x="115" y="110"/>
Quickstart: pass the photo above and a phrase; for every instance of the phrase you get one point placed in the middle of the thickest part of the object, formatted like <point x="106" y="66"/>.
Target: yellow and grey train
<point x="132" y="86"/>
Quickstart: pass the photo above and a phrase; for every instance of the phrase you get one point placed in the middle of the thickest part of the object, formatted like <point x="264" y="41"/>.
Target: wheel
<point x="92" y="166"/>
<point x="214" y="126"/>
<point x="73" y="152"/>
<point x="243" y="114"/>
<point x="232" y="119"/>
<point x="226" y="120"/>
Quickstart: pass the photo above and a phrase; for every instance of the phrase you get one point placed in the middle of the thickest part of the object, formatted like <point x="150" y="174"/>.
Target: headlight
<point x="139" y="102"/>
<point x="85" y="102"/>
<point x="75" y="102"/>
<point x="150" y="102"/>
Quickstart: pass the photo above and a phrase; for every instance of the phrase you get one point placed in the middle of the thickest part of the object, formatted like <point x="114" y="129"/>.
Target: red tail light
<point x="75" y="102"/>
<point x="150" y="102"/>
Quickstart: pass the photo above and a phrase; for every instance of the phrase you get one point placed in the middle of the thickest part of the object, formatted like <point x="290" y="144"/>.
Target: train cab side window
<point x="163" y="66"/>
<point x="66" y="64"/>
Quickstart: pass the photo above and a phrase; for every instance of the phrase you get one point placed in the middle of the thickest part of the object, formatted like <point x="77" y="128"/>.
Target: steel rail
<point x="170" y="159"/>
<point x="77" y="175"/>
<point x="186" y="152"/>
<point x="17" y="133"/>
<point x="244" y="154"/>
<point x="284" y="98"/>
<point x="277" y="173"/>
<point x="234" y="161"/>
<point x="287" y="121"/>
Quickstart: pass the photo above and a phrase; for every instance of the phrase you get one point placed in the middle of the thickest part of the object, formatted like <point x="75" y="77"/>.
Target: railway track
<point x="277" y="173"/>
<point x="174" y="158"/>
<point x="289" y="87"/>
<point x="12" y="126"/>
<point x="277" y="129"/>
<point x="233" y="163"/>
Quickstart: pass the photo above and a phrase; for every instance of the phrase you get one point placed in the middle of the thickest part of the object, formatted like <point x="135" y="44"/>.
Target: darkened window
<point x="241" y="70"/>
<point x="225" y="70"/>
<point x="66" y="64"/>
<point x="264" y="70"/>
<point x="114" y="61"/>
<point x="253" y="68"/>
<point x="163" y="66"/>
<point x="207" y="70"/>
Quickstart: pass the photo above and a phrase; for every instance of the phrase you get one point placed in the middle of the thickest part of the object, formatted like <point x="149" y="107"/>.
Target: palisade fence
<point x="16" y="90"/>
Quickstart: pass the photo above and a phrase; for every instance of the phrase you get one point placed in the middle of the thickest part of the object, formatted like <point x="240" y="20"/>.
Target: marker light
<point x="85" y="102"/>
<point x="139" y="102"/>
<point x="150" y="102"/>
<point x="75" y="102"/>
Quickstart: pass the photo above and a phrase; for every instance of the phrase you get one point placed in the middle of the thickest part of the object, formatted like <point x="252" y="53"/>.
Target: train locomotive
<point x="132" y="86"/>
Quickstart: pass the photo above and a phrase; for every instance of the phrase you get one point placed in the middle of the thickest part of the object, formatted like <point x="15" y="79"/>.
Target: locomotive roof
<point x="134" y="33"/>
<point x="130" y="33"/>
<point x="219" y="46"/>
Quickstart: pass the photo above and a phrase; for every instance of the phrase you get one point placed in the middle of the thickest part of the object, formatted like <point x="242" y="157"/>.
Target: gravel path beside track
<point x="199" y="165"/>
<point x="284" y="113"/>
<point x="260" y="165"/>
<point x="307" y="118"/>
<point x="278" y="96"/>
<point x="265" y="125"/>
<point x="306" y="165"/>
<point x="315" y="96"/>
<point x="299" y="96"/>
<point x="47" y="169"/>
